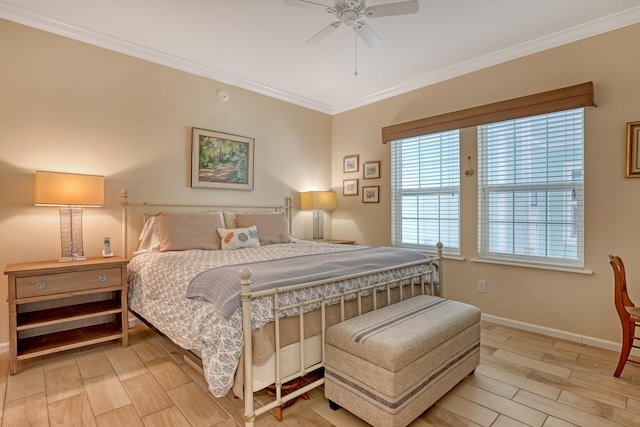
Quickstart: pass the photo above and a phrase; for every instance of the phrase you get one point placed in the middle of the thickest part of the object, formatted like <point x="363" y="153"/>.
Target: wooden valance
<point x="540" y="103"/>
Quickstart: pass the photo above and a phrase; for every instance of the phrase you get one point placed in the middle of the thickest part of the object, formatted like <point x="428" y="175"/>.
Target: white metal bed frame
<point x="427" y="281"/>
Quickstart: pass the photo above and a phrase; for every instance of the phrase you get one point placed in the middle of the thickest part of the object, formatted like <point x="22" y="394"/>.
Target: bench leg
<point x="333" y="405"/>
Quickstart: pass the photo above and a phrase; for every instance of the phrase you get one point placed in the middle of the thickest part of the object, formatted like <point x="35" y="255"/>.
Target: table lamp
<point x="318" y="201"/>
<point x="71" y="192"/>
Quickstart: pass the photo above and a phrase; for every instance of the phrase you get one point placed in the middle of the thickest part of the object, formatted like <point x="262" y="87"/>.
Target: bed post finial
<point x="288" y="205"/>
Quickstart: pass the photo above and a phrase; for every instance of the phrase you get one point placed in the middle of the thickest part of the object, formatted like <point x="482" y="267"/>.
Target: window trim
<point x="520" y="259"/>
<point x="399" y="193"/>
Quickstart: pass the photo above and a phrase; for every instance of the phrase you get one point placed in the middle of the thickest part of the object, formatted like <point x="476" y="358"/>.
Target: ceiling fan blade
<point x="316" y="5"/>
<point x="324" y="33"/>
<point x="392" y="9"/>
<point x="367" y="34"/>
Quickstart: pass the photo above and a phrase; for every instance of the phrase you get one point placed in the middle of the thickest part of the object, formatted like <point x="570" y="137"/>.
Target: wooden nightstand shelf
<point x="57" y="306"/>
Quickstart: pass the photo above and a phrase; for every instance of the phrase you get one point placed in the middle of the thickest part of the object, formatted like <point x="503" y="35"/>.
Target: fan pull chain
<point x="355" y="53"/>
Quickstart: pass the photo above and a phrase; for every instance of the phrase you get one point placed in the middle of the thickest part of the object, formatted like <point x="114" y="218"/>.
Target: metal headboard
<point x="147" y="207"/>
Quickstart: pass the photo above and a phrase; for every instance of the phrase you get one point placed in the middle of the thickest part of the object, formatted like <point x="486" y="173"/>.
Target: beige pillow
<point x="273" y="227"/>
<point x="229" y="219"/>
<point x="179" y="231"/>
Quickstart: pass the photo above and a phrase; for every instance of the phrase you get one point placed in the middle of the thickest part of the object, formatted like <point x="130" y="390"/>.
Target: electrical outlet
<point x="482" y="286"/>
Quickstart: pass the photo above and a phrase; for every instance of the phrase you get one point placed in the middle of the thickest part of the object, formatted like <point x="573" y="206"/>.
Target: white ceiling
<point x="260" y="45"/>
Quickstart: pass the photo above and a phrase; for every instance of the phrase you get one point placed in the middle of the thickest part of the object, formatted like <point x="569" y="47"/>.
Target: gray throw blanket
<point x="221" y="285"/>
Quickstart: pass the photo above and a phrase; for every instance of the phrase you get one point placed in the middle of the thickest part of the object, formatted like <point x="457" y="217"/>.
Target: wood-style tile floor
<point x="524" y="379"/>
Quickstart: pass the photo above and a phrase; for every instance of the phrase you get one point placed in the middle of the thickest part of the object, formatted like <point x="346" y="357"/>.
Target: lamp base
<point x="71" y="234"/>
<point x="318" y="225"/>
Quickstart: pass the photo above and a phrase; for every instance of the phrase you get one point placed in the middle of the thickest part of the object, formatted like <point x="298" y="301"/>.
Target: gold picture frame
<point x="633" y="150"/>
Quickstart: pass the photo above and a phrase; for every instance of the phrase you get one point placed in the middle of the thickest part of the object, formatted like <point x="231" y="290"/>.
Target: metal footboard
<point x="428" y="281"/>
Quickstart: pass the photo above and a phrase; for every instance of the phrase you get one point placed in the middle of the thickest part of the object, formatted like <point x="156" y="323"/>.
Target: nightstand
<point x="337" y="241"/>
<point x="56" y="306"/>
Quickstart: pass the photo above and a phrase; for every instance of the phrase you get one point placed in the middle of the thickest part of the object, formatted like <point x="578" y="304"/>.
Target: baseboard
<point x="557" y="333"/>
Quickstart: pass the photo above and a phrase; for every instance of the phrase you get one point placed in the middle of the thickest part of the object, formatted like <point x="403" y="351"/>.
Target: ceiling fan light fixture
<point x="351" y="12"/>
<point x="349" y="17"/>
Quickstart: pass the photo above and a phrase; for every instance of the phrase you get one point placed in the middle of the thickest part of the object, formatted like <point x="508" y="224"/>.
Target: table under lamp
<point x="71" y="192"/>
<point x="318" y="201"/>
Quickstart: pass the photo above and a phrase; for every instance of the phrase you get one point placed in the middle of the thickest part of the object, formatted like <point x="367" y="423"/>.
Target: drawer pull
<point x="41" y="285"/>
<point x="102" y="277"/>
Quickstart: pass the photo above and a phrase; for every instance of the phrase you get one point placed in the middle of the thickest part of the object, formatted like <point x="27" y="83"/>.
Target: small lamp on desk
<point x="318" y="201"/>
<point x="71" y="192"/>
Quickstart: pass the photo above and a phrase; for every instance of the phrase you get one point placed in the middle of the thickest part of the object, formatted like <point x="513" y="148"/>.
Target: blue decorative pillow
<point x="237" y="238"/>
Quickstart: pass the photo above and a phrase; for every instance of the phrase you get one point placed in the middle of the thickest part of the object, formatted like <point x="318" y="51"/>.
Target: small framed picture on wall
<point x="350" y="187"/>
<point x="351" y="163"/>
<point x="371" y="194"/>
<point x="371" y="170"/>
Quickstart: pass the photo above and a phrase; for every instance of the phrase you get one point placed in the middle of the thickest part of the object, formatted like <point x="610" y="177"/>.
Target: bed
<point x="231" y="286"/>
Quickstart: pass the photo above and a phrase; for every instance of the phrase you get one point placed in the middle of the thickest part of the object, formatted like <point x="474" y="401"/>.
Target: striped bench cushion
<point x="389" y="366"/>
<point x="395" y="336"/>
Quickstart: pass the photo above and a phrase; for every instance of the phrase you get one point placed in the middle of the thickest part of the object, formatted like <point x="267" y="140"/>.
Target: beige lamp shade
<point x="68" y="189"/>
<point x="318" y="200"/>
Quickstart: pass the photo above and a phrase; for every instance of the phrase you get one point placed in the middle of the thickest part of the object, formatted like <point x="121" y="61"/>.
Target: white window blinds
<point x="425" y="193"/>
<point x="531" y="189"/>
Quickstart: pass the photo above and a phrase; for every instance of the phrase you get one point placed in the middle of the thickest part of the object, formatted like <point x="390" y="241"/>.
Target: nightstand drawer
<point x="50" y="284"/>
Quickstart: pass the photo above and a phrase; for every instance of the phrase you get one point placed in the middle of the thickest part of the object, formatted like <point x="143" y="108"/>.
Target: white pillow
<point x="149" y="240"/>
<point x="237" y="238"/>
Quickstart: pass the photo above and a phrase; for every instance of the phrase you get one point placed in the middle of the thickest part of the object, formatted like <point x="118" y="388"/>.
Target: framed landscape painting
<point x="221" y="160"/>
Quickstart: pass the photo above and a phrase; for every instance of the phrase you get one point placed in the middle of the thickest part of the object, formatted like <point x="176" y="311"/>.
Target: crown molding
<point x="589" y="29"/>
<point x="29" y="18"/>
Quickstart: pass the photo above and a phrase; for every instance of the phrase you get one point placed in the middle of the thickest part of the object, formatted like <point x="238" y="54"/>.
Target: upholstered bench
<point x="390" y="365"/>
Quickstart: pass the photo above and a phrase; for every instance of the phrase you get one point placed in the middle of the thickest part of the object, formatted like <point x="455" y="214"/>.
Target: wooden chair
<point x="627" y="311"/>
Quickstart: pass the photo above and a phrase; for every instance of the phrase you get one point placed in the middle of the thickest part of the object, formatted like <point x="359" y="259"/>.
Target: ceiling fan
<point x="352" y="13"/>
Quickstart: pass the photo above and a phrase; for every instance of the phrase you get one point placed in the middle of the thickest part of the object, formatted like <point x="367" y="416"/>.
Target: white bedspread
<point x="157" y="286"/>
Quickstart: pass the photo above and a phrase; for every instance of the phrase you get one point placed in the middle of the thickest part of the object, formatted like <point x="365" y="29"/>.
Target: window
<point x="531" y="189"/>
<point x="425" y="192"/>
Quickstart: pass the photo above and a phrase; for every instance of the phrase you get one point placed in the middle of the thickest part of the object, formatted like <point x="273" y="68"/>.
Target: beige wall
<point x="68" y="106"/>
<point x="577" y="303"/>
